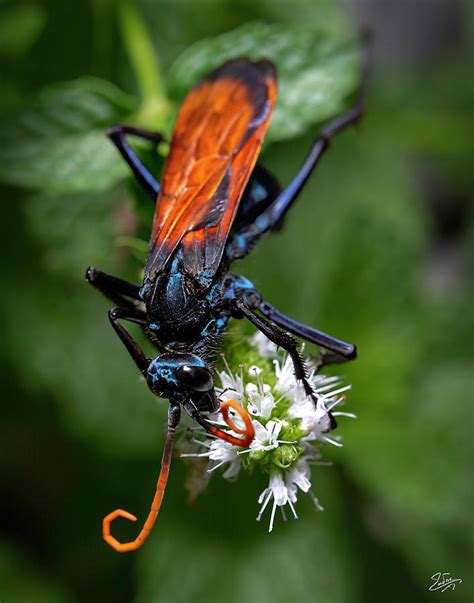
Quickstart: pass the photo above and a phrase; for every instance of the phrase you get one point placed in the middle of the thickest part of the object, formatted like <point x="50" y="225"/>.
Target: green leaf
<point x="20" y="27"/>
<point x="57" y="143"/>
<point x="61" y="225"/>
<point x="317" y="69"/>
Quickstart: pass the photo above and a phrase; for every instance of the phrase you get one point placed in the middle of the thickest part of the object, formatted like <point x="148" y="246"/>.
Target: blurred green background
<point x="378" y="250"/>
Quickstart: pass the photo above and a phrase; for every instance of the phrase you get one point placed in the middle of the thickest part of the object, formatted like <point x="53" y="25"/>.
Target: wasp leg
<point x="261" y="190"/>
<point x="285" y="341"/>
<point x="272" y="217"/>
<point x="117" y="290"/>
<point x="278" y="337"/>
<point x="327" y="358"/>
<point x="117" y="135"/>
<point x="342" y="349"/>
<point x="133" y="348"/>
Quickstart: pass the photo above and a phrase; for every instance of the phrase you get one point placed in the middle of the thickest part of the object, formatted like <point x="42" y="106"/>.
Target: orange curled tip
<point x="125" y="547"/>
<point x="113" y="542"/>
<point x="117" y="513"/>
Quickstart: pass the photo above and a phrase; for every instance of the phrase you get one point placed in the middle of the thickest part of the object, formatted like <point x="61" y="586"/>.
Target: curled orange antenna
<point x="125" y="547"/>
<point x="248" y="432"/>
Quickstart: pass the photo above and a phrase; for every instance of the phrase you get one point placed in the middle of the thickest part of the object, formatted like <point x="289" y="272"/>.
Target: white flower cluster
<point x="290" y="427"/>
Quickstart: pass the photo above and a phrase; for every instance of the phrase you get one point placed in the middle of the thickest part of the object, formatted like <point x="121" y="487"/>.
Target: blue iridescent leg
<point x="262" y="189"/>
<point x="117" y="135"/>
<point x="346" y="351"/>
<point x="242" y="289"/>
<point x="271" y="218"/>
<point x="278" y="337"/>
<point x="284" y="341"/>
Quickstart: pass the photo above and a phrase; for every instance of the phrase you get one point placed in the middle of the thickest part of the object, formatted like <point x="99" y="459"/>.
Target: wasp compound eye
<point x="196" y="378"/>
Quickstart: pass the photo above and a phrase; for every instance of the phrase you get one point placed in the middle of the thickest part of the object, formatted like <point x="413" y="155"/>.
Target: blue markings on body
<point x="174" y="288"/>
<point x="215" y="326"/>
<point x="222" y="321"/>
<point x="243" y="283"/>
<point x="205" y="277"/>
<point x="145" y="288"/>
<point x="214" y="293"/>
<point x="209" y="328"/>
<point x="161" y="373"/>
<point x="259" y="192"/>
<point x="162" y="370"/>
<point x="240" y="244"/>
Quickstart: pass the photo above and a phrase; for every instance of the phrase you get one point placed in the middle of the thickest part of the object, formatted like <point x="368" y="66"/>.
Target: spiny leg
<point x="120" y="292"/>
<point x="285" y="341"/>
<point x="117" y="135"/>
<point x="279" y="338"/>
<point x="131" y="345"/>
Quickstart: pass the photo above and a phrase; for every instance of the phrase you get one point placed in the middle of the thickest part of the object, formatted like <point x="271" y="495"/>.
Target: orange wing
<point x="214" y="148"/>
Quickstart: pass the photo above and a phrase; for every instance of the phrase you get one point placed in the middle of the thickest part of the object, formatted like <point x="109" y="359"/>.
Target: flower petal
<point x="279" y="489"/>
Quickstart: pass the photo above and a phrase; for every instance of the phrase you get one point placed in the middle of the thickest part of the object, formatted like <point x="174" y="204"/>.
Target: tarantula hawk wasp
<point x="212" y="206"/>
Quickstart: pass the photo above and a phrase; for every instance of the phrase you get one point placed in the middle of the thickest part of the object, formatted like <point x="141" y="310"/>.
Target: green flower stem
<point x="145" y="64"/>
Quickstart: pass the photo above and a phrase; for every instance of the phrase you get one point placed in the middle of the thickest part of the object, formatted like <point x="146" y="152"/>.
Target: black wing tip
<point x="243" y="68"/>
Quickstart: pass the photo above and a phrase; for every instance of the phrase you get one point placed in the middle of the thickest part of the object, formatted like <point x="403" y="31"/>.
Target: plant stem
<point x="141" y="54"/>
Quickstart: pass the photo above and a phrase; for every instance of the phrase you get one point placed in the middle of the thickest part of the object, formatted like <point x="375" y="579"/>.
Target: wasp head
<point x="185" y="377"/>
